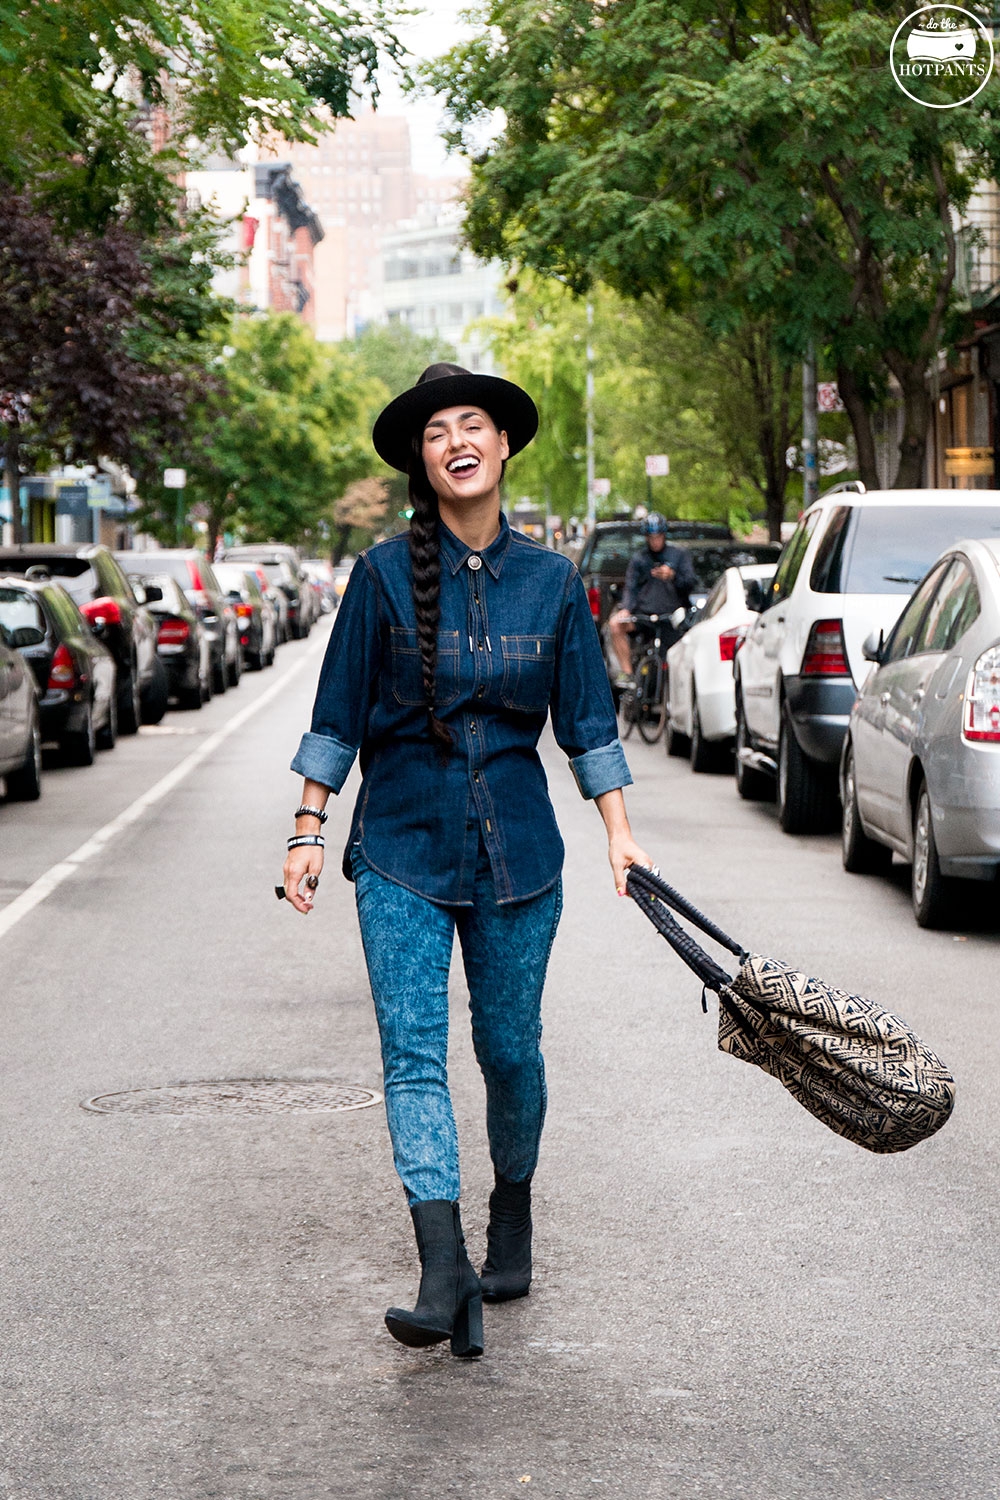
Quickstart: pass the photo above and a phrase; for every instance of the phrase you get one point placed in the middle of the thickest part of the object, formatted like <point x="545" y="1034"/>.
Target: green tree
<point x="753" y="162"/>
<point x="278" y="438"/>
<point x="395" y="354"/>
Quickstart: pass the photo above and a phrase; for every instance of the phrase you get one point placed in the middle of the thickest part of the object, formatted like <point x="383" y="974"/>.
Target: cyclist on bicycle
<point x="658" y="581"/>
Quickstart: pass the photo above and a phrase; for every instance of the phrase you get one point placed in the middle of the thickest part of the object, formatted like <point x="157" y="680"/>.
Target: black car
<point x="194" y="573"/>
<point x="283" y="568"/>
<point x="255" y="615"/>
<point x="97" y="585"/>
<point x="611" y="545"/>
<point x="74" y="671"/>
<point x="20" y="732"/>
<point x="181" y="640"/>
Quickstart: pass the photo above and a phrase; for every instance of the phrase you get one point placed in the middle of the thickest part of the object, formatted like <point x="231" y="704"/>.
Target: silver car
<point x="920" y="770"/>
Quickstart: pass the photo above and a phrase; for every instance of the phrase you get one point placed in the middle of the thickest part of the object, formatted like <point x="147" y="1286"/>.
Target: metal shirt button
<point x="475" y="563"/>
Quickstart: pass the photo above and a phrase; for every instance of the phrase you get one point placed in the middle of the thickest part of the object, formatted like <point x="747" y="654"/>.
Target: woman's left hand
<point x="622" y="852"/>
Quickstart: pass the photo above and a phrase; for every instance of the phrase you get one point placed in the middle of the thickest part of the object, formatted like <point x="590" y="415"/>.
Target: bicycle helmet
<point x="654" y="526"/>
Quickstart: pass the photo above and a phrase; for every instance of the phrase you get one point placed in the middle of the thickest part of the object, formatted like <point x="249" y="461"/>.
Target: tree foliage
<point x="396" y="354"/>
<point x="277" y="440"/>
<point x="754" y="162"/>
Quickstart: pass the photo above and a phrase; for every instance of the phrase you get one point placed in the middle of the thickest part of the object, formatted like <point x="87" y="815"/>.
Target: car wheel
<point x="931" y="891"/>
<point x="860" y="854"/>
<point x="25" y="784"/>
<point x="220" y="677"/>
<point x="677" y="744"/>
<point x="751" y="784"/>
<point x="80" y="747"/>
<point x="107" y="735"/>
<point x="192" y="698"/>
<point x="234" y="669"/>
<point x="129" y="707"/>
<point x="703" y="753"/>
<point x="156" y="696"/>
<point x="255" y="661"/>
<point x="807" y="797"/>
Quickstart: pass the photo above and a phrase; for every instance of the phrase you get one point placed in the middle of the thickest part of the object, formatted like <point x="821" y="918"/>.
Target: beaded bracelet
<point x="299" y="840"/>
<point x="311" y="812"/>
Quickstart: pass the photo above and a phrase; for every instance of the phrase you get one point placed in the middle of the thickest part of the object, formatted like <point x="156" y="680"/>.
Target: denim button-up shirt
<point x="516" y="642"/>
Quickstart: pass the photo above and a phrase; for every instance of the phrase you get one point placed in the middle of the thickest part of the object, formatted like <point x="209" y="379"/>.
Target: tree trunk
<point x="913" y="446"/>
<point x="861" y="422"/>
<point x="338" y="542"/>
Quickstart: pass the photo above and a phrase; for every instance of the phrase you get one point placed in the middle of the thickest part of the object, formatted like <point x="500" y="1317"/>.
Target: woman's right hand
<point x="300" y="863"/>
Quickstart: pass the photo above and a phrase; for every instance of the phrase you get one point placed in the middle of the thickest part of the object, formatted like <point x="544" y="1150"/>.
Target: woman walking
<point x="449" y="650"/>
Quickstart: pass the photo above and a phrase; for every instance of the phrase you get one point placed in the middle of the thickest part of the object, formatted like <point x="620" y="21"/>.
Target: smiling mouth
<point x="464" y="465"/>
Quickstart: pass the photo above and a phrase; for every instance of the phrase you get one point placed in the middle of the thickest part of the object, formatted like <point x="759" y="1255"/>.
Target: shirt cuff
<point x="603" y="770"/>
<point x="322" y="758"/>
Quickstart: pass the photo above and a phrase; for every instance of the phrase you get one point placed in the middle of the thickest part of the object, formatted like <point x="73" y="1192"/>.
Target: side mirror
<point x="100" y="613"/>
<point x="153" y="593"/>
<point x="873" y="648"/>
<point x="235" y="595"/>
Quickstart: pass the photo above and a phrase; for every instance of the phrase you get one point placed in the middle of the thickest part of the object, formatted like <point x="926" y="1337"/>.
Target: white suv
<point x="848" y="569"/>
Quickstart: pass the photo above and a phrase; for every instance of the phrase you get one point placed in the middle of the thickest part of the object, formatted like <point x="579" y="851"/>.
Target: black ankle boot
<point x="506" y="1272"/>
<point x="449" y="1304"/>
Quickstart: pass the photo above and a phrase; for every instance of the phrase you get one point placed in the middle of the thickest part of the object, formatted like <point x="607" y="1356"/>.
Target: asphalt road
<point x="730" y="1301"/>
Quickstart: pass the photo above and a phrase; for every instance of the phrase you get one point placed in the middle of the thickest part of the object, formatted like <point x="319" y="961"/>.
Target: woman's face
<point x="463" y="453"/>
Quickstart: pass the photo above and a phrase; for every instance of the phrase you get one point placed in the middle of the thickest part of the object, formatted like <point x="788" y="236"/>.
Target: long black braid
<point x="425" y="563"/>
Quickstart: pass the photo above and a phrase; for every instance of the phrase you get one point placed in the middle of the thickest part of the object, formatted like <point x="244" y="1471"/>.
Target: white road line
<point x="37" y="892"/>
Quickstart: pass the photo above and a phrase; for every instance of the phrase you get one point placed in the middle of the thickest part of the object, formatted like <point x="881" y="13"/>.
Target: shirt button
<point x="475" y="563"/>
<point x="475" y="775"/>
<point x="472" y="726"/>
<point x="480" y="692"/>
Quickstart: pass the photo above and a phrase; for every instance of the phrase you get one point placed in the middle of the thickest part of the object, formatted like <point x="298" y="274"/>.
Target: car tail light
<point x="825" y="654"/>
<point x="729" y="642"/>
<point x="172" y="633"/>
<point x="197" y="593"/>
<point x="62" y="673"/>
<point x="594" y="598"/>
<point x="106" y="610"/>
<point x="244" y="611"/>
<point x="982" y="699"/>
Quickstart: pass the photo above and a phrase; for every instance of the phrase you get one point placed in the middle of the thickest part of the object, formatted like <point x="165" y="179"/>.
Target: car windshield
<point x="76" y="576"/>
<point x="887" y="549"/>
<point x="711" y="562"/>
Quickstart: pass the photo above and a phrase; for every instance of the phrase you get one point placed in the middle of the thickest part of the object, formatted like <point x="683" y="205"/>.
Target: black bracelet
<point x="316" y="839"/>
<point x="311" y="812"/>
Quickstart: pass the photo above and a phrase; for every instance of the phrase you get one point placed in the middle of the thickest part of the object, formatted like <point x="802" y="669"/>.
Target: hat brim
<point x="512" y="410"/>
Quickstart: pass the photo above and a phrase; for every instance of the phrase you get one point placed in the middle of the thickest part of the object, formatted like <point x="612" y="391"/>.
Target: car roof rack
<point x="854" y="486"/>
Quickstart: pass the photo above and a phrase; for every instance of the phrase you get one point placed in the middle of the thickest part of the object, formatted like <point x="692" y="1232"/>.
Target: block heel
<point x="467" y="1337"/>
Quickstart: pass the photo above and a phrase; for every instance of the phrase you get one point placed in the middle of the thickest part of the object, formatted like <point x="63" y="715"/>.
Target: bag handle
<point x="653" y="895"/>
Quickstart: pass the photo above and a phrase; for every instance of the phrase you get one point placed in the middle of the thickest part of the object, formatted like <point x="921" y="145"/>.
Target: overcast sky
<point x="426" y="35"/>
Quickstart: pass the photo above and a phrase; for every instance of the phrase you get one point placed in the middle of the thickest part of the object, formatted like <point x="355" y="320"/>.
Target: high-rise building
<point x="360" y="181"/>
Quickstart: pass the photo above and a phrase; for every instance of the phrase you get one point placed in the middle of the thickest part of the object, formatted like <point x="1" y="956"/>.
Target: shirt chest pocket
<point x="406" y="669"/>
<point x="529" y="663"/>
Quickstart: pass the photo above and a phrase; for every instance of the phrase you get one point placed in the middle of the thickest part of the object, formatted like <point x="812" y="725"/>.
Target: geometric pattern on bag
<point x="854" y="1065"/>
<point x="851" y="1063"/>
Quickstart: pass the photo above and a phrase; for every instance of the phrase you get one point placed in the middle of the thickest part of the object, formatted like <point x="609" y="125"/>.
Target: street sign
<point x="657" y="463"/>
<point x="174" y="479"/>
<point x="602" y="486"/>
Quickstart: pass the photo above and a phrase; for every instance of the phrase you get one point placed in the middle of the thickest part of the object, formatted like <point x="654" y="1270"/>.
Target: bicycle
<point x="645" y="705"/>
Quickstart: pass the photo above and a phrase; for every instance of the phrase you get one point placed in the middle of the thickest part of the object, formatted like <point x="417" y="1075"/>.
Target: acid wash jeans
<point x="408" y="943"/>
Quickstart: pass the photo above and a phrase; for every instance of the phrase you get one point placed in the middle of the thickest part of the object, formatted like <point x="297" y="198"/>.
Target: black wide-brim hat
<point x="444" y="385"/>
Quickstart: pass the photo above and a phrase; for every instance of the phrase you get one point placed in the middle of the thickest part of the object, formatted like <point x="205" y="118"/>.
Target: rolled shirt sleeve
<point x="583" y="713"/>
<point x="346" y="685"/>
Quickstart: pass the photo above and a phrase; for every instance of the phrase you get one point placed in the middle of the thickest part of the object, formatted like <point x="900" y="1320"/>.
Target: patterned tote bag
<point x="855" y="1066"/>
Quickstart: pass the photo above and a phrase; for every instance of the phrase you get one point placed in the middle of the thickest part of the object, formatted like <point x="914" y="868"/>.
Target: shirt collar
<point x="456" y="554"/>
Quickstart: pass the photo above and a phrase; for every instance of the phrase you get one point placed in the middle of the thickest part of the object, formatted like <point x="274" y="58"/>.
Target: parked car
<point x="321" y="575"/>
<point x="610" y="547"/>
<point x="98" y="586"/>
<point x="848" y="569"/>
<point x="710" y="559"/>
<point x="920" y="768"/>
<point x="74" y="671"/>
<point x="182" y="641"/>
<point x="194" y="574"/>
<point x="701" y="695"/>
<point x="20" y="729"/>
<point x="255" y="614"/>
<point x="277" y="600"/>
<point x="283" y="568"/>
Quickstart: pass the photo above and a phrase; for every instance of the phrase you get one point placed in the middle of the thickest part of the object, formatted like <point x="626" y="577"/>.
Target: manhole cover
<point x="238" y="1096"/>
